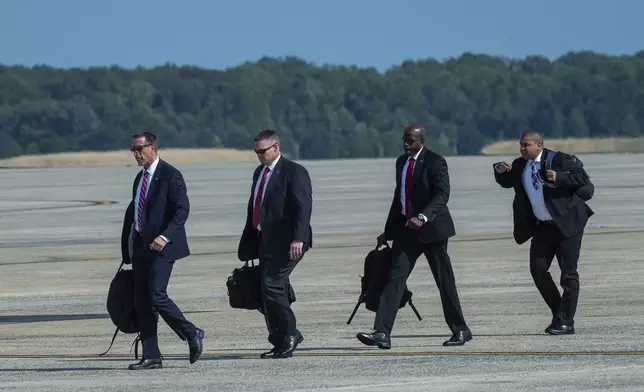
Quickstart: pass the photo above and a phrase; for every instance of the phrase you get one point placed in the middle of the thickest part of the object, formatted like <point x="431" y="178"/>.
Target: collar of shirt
<point x="153" y="167"/>
<point x="274" y="163"/>
<point x="417" y="154"/>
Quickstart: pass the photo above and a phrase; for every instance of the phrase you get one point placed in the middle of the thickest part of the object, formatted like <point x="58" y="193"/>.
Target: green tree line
<point x="325" y="111"/>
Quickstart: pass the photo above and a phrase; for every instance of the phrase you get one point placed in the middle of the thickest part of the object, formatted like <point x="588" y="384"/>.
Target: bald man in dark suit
<point x="550" y="208"/>
<point x="419" y="222"/>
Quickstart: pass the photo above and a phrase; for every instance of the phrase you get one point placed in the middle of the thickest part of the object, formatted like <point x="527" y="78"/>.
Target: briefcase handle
<point x="252" y="261"/>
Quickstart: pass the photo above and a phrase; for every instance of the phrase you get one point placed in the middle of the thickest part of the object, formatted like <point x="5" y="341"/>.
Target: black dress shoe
<point x="459" y="338"/>
<point x="375" y="338"/>
<point x="268" y="354"/>
<point x="289" y="345"/>
<point x="196" y="346"/>
<point x="560" y="329"/>
<point x="145" y="364"/>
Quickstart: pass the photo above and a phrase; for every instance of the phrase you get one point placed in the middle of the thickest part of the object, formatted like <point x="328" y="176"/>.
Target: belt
<point x="548" y="222"/>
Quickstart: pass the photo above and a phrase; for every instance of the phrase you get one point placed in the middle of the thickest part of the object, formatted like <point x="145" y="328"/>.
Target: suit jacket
<point x="566" y="202"/>
<point x="165" y="213"/>
<point x="285" y="213"/>
<point x="428" y="196"/>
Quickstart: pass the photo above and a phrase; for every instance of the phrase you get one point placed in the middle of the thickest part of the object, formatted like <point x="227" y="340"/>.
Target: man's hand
<point x="295" y="253"/>
<point x="158" y="244"/>
<point x="414" y="223"/>
<point x="551" y="175"/>
<point x="502" y="167"/>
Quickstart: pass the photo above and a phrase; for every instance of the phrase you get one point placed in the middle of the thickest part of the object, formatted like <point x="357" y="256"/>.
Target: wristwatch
<point x="422" y="218"/>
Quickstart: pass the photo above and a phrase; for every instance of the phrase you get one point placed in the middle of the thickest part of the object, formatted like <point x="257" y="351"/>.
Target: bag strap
<point x="549" y="157"/>
<point x="135" y="345"/>
<point x="113" y="338"/>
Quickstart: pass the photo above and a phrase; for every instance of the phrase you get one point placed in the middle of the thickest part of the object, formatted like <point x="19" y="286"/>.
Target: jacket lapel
<point x="153" y="185"/>
<point x="274" y="179"/>
<point x="542" y="164"/>
<point x="136" y="184"/>
<point x="519" y="179"/>
<point x="400" y="164"/>
<point x="418" y="165"/>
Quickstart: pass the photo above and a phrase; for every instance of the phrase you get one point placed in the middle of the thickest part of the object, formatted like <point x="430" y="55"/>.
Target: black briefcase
<point x="245" y="287"/>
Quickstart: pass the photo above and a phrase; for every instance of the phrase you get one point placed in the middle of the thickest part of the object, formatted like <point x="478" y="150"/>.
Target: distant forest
<point x="322" y="112"/>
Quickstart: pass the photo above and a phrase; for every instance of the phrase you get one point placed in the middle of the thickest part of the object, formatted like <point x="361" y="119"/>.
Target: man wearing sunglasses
<point x="419" y="222"/>
<point x="278" y="233"/>
<point x="154" y="232"/>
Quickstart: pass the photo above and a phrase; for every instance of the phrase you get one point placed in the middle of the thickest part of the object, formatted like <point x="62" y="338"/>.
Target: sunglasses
<point x="139" y="148"/>
<point x="263" y="150"/>
<point x="409" y="139"/>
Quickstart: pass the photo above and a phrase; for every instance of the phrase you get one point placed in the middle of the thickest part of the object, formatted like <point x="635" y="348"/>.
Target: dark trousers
<point x="405" y="252"/>
<point x="151" y="277"/>
<point x="280" y="319"/>
<point x="547" y="243"/>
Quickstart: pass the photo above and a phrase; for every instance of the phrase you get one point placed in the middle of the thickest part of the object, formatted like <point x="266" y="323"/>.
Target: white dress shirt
<point x="535" y="195"/>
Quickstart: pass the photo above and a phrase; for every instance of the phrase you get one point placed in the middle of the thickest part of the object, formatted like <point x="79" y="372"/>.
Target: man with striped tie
<point x="154" y="229"/>
<point x="549" y="207"/>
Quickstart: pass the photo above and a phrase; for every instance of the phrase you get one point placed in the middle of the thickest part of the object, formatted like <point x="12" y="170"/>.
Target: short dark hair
<point x="268" y="134"/>
<point x="149" y="137"/>
<point x="536" y="135"/>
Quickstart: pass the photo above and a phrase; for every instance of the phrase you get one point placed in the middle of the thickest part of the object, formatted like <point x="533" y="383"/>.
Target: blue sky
<point x="379" y="33"/>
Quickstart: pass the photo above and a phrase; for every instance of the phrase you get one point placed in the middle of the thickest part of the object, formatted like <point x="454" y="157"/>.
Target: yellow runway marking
<point x="378" y="353"/>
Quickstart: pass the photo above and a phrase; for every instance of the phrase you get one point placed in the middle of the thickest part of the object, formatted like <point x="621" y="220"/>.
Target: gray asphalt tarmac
<point x="59" y="251"/>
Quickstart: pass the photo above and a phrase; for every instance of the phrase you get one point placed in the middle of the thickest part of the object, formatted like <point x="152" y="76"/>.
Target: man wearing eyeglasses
<point x="549" y="207"/>
<point x="154" y="232"/>
<point x="278" y="232"/>
<point x="419" y="222"/>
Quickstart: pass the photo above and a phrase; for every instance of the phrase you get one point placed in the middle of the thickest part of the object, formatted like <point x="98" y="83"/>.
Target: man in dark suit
<point x="549" y="207"/>
<point x="278" y="232"/>
<point x="419" y="222"/>
<point x="153" y="238"/>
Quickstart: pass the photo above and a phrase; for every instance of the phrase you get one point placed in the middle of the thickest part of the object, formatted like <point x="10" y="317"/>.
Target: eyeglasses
<point x="139" y="148"/>
<point x="263" y="150"/>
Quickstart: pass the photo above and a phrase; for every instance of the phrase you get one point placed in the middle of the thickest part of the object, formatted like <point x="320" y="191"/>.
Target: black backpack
<point x="376" y="273"/>
<point x="578" y="167"/>
<point x="245" y="288"/>
<point x="120" y="306"/>
<point x="578" y="164"/>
